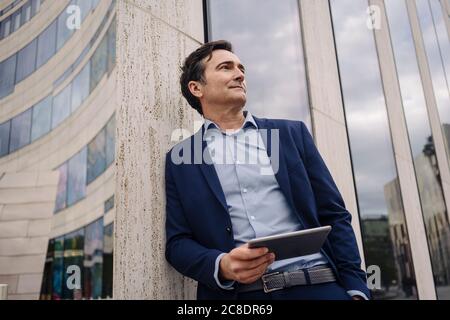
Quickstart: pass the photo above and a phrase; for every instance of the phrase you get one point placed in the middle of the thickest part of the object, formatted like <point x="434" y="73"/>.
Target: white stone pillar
<point x="153" y="38"/>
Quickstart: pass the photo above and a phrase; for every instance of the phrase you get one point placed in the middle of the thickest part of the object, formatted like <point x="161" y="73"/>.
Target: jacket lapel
<point x="207" y="168"/>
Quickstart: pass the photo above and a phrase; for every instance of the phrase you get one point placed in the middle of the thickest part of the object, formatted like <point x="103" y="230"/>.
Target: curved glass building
<point x="57" y="137"/>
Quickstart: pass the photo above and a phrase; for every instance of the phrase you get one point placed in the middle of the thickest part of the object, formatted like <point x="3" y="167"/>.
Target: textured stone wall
<point x="153" y="38"/>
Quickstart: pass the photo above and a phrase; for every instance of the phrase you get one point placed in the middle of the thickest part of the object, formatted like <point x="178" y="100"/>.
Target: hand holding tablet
<point x="293" y="244"/>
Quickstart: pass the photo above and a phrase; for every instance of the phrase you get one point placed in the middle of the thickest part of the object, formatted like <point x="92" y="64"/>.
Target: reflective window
<point x="42" y="48"/>
<point x="26" y="61"/>
<point x="46" y="44"/>
<point x="266" y="36"/>
<point x="85" y="8"/>
<point x="89" y="248"/>
<point x="64" y="32"/>
<point x="7" y="72"/>
<point x="435" y="214"/>
<point x="439" y="17"/>
<point x="109" y="204"/>
<point x="46" y="287"/>
<point x="42" y="118"/>
<point x="112" y="45"/>
<point x="96" y="158"/>
<point x="58" y="269"/>
<point x="5" y="128"/>
<point x="435" y="62"/>
<point x="35" y="6"/>
<point x="80" y="87"/>
<point x="26" y="12"/>
<point x="20" y="130"/>
<point x="377" y="187"/>
<point x="18" y="18"/>
<point x="76" y="183"/>
<point x="110" y="140"/>
<point x="61" y="106"/>
<point x="93" y="260"/>
<point x="5" y="29"/>
<point x="15" y="21"/>
<point x="73" y="256"/>
<point x="61" y="195"/>
<point x="108" y="261"/>
<point x="85" y="166"/>
<point x="99" y="63"/>
<point x="422" y="145"/>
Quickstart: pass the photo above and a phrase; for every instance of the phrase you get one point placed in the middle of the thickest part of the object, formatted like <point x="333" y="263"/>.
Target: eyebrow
<point x="241" y="66"/>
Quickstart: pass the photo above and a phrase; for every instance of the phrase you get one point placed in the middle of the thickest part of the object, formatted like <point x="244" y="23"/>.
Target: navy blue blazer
<point x="198" y="225"/>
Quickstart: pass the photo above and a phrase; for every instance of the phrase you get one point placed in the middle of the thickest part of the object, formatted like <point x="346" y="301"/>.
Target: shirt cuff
<point x="357" y="293"/>
<point x="226" y="285"/>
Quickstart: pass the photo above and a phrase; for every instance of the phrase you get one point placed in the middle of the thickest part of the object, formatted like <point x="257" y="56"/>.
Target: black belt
<point x="280" y="280"/>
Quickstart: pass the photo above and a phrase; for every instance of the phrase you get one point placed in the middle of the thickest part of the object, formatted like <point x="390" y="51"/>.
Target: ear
<point x="196" y="88"/>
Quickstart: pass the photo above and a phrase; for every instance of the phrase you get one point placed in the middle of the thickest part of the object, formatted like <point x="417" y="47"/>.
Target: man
<point x="218" y="199"/>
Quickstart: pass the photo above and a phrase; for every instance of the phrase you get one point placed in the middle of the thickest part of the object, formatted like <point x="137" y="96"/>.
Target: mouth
<point x="238" y="87"/>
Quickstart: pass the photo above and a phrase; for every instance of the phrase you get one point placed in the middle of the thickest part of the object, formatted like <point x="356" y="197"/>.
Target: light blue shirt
<point x="256" y="204"/>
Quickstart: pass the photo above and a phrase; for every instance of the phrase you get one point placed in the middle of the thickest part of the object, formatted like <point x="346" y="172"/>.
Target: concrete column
<point x="403" y="159"/>
<point x="153" y="38"/>
<point x="327" y="111"/>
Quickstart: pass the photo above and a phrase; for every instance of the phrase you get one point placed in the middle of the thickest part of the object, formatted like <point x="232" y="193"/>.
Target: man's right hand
<point x="245" y="265"/>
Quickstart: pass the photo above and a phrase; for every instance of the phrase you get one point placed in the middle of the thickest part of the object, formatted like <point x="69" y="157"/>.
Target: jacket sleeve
<point x="331" y="211"/>
<point x="183" y="252"/>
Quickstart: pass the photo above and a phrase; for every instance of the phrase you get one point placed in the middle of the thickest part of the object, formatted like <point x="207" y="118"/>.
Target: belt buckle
<point x="264" y="281"/>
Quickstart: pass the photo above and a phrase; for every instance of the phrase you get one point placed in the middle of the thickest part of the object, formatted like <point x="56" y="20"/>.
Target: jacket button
<point x="228" y="229"/>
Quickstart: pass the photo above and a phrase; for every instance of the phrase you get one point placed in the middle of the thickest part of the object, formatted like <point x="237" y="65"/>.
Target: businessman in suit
<point x="241" y="177"/>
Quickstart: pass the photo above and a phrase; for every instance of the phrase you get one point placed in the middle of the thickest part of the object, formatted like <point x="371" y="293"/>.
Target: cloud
<point x="266" y="37"/>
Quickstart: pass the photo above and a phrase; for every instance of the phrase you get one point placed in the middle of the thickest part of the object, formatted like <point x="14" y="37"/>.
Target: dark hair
<point x="193" y="69"/>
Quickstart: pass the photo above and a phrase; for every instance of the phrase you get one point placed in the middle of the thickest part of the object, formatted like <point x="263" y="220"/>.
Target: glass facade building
<point x="58" y="116"/>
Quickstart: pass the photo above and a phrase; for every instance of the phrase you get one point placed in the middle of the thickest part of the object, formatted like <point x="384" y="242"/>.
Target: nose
<point x="240" y="76"/>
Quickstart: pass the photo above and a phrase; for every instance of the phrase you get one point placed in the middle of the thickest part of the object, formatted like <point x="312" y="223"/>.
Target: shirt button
<point x="253" y="217"/>
<point x="244" y="190"/>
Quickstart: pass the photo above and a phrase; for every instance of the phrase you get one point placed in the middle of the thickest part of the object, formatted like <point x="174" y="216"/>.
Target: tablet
<point x="293" y="244"/>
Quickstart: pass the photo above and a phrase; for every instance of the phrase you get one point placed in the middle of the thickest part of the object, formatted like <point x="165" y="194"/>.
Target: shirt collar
<point x="248" y="122"/>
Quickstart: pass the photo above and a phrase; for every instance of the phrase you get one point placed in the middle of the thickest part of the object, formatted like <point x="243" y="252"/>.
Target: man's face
<point x="225" y="81"/>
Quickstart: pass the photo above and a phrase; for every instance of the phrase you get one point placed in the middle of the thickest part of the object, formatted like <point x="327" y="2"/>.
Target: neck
<point x="227" y="120"/>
